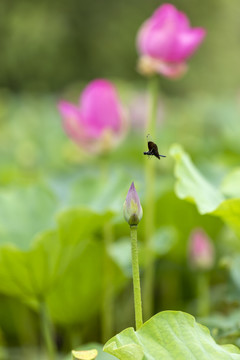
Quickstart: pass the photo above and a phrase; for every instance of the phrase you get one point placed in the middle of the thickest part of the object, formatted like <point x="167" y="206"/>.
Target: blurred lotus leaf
<point x="90" y="189"/>
<point x="22" y="215"/>
<point x="191" y="185"/>
<point x="230" y="186"/>
<point x="66" y="264"/>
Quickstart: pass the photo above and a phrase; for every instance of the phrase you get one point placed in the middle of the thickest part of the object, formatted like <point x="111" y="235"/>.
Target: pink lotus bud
<point x="132" y="209"/>
<point x="98" y="123"/>
<point x="165" y="41"/>
<point x="201" y="251"/>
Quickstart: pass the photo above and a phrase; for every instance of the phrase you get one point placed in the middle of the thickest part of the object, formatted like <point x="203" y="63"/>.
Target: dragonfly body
<point x="153" y="150"/>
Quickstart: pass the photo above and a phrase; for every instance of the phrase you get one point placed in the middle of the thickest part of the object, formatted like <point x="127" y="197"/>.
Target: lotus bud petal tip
<point x="132" y="209"/>
<point x="165" y="41"/>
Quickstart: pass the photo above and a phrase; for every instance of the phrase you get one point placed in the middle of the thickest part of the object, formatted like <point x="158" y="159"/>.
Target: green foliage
<point x="22" y="215"/>
<point x="230" y="185"/>
<point x="56" y="200"/>
<point x="90" y="190"/>
<point x="192" y="186"/>
<point x="164" y="240"/>
<point x="64" y="264"/>
<point x="169" y="335"/>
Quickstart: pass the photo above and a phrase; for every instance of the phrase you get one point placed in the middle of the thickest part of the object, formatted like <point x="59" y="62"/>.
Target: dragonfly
<point x="153" y="150"/>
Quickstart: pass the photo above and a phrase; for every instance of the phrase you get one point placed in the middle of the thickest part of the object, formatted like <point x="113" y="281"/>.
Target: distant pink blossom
<point x="98" y="123"/>
<point x="166" y="40"/>
<point x="201" y="251"/>
<point x="138" y="111"/>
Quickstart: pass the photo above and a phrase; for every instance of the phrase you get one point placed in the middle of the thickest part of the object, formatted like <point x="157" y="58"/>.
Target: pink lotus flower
<point x="201" y="250"/>
<point x="98" y="123"/>
<point x="165" y="41"/>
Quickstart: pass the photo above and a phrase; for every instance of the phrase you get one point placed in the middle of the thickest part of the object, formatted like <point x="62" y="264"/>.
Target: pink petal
<point x="164" y="13"/>
<point x="183" y="21"/>
<point x="186" y="44"/>
<point x="67" y="109"/>
<point x="172" y="71"/>
<point x="72" y="121"/>
<point x="167" y="36"/>
<point x="100" y="107"/>
<point x="157" y="33"/>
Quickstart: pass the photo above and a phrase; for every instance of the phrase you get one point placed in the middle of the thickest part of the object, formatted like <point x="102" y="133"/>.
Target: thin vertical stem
<point x="148" y="283"/>
<point x="136" y="278"/>
<point x="153" y="90"/>
<point x="107" y="290"/>
<point x="203" y="304"/>
<point x="47" y="331"/>
<point x="107" y="299"/>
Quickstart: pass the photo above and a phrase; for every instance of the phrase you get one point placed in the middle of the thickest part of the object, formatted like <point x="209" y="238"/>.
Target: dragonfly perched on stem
<point x="152" y="150"/>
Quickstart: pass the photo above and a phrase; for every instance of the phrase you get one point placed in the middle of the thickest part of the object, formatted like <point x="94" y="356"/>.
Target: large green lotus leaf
<point x="32" y="274"/>
<point x="75" y="296"/>
<point x="29" y="274"/>
<point x="192" y="186"/>
<point x="75" y="225"/>
<point x="169" y="335"/>
<point x="25" y="212"/>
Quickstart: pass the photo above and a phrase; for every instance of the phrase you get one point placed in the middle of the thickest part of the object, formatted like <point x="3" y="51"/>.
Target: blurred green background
<point x="51" y="50"/>
<point x="47" y="45"/>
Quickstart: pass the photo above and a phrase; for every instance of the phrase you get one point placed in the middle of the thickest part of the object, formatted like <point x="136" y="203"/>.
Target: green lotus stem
<point x="153" y="89"/>
<point x="107" y="302"/>
<point x="107" y="299"/>
<point x="148" y="281"/>
<point x="47" y="331"/>
<point x="203" y="301"/>
<point x="136" y="278"/>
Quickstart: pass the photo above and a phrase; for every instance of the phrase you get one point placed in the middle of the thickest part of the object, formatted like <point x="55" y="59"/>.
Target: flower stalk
<point x="132" y="211"/>
<point x="107" y="300"/>
<point x="150" y="203"/>
<point x="136" y="278"/>
<point x="107" y="303"/>
<point x="203" y="298"/>
<point x="47" y="331"/>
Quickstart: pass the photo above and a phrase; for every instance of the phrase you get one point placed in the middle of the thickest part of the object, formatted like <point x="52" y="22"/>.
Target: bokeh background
<point x="47" y="46"/>
<point x="51" y="50"/>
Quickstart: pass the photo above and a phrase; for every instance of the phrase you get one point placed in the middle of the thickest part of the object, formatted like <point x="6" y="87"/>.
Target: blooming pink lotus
<point x="165" y="41"/>
<point x="201" y="250"/>
<point x="98" y="123"/>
